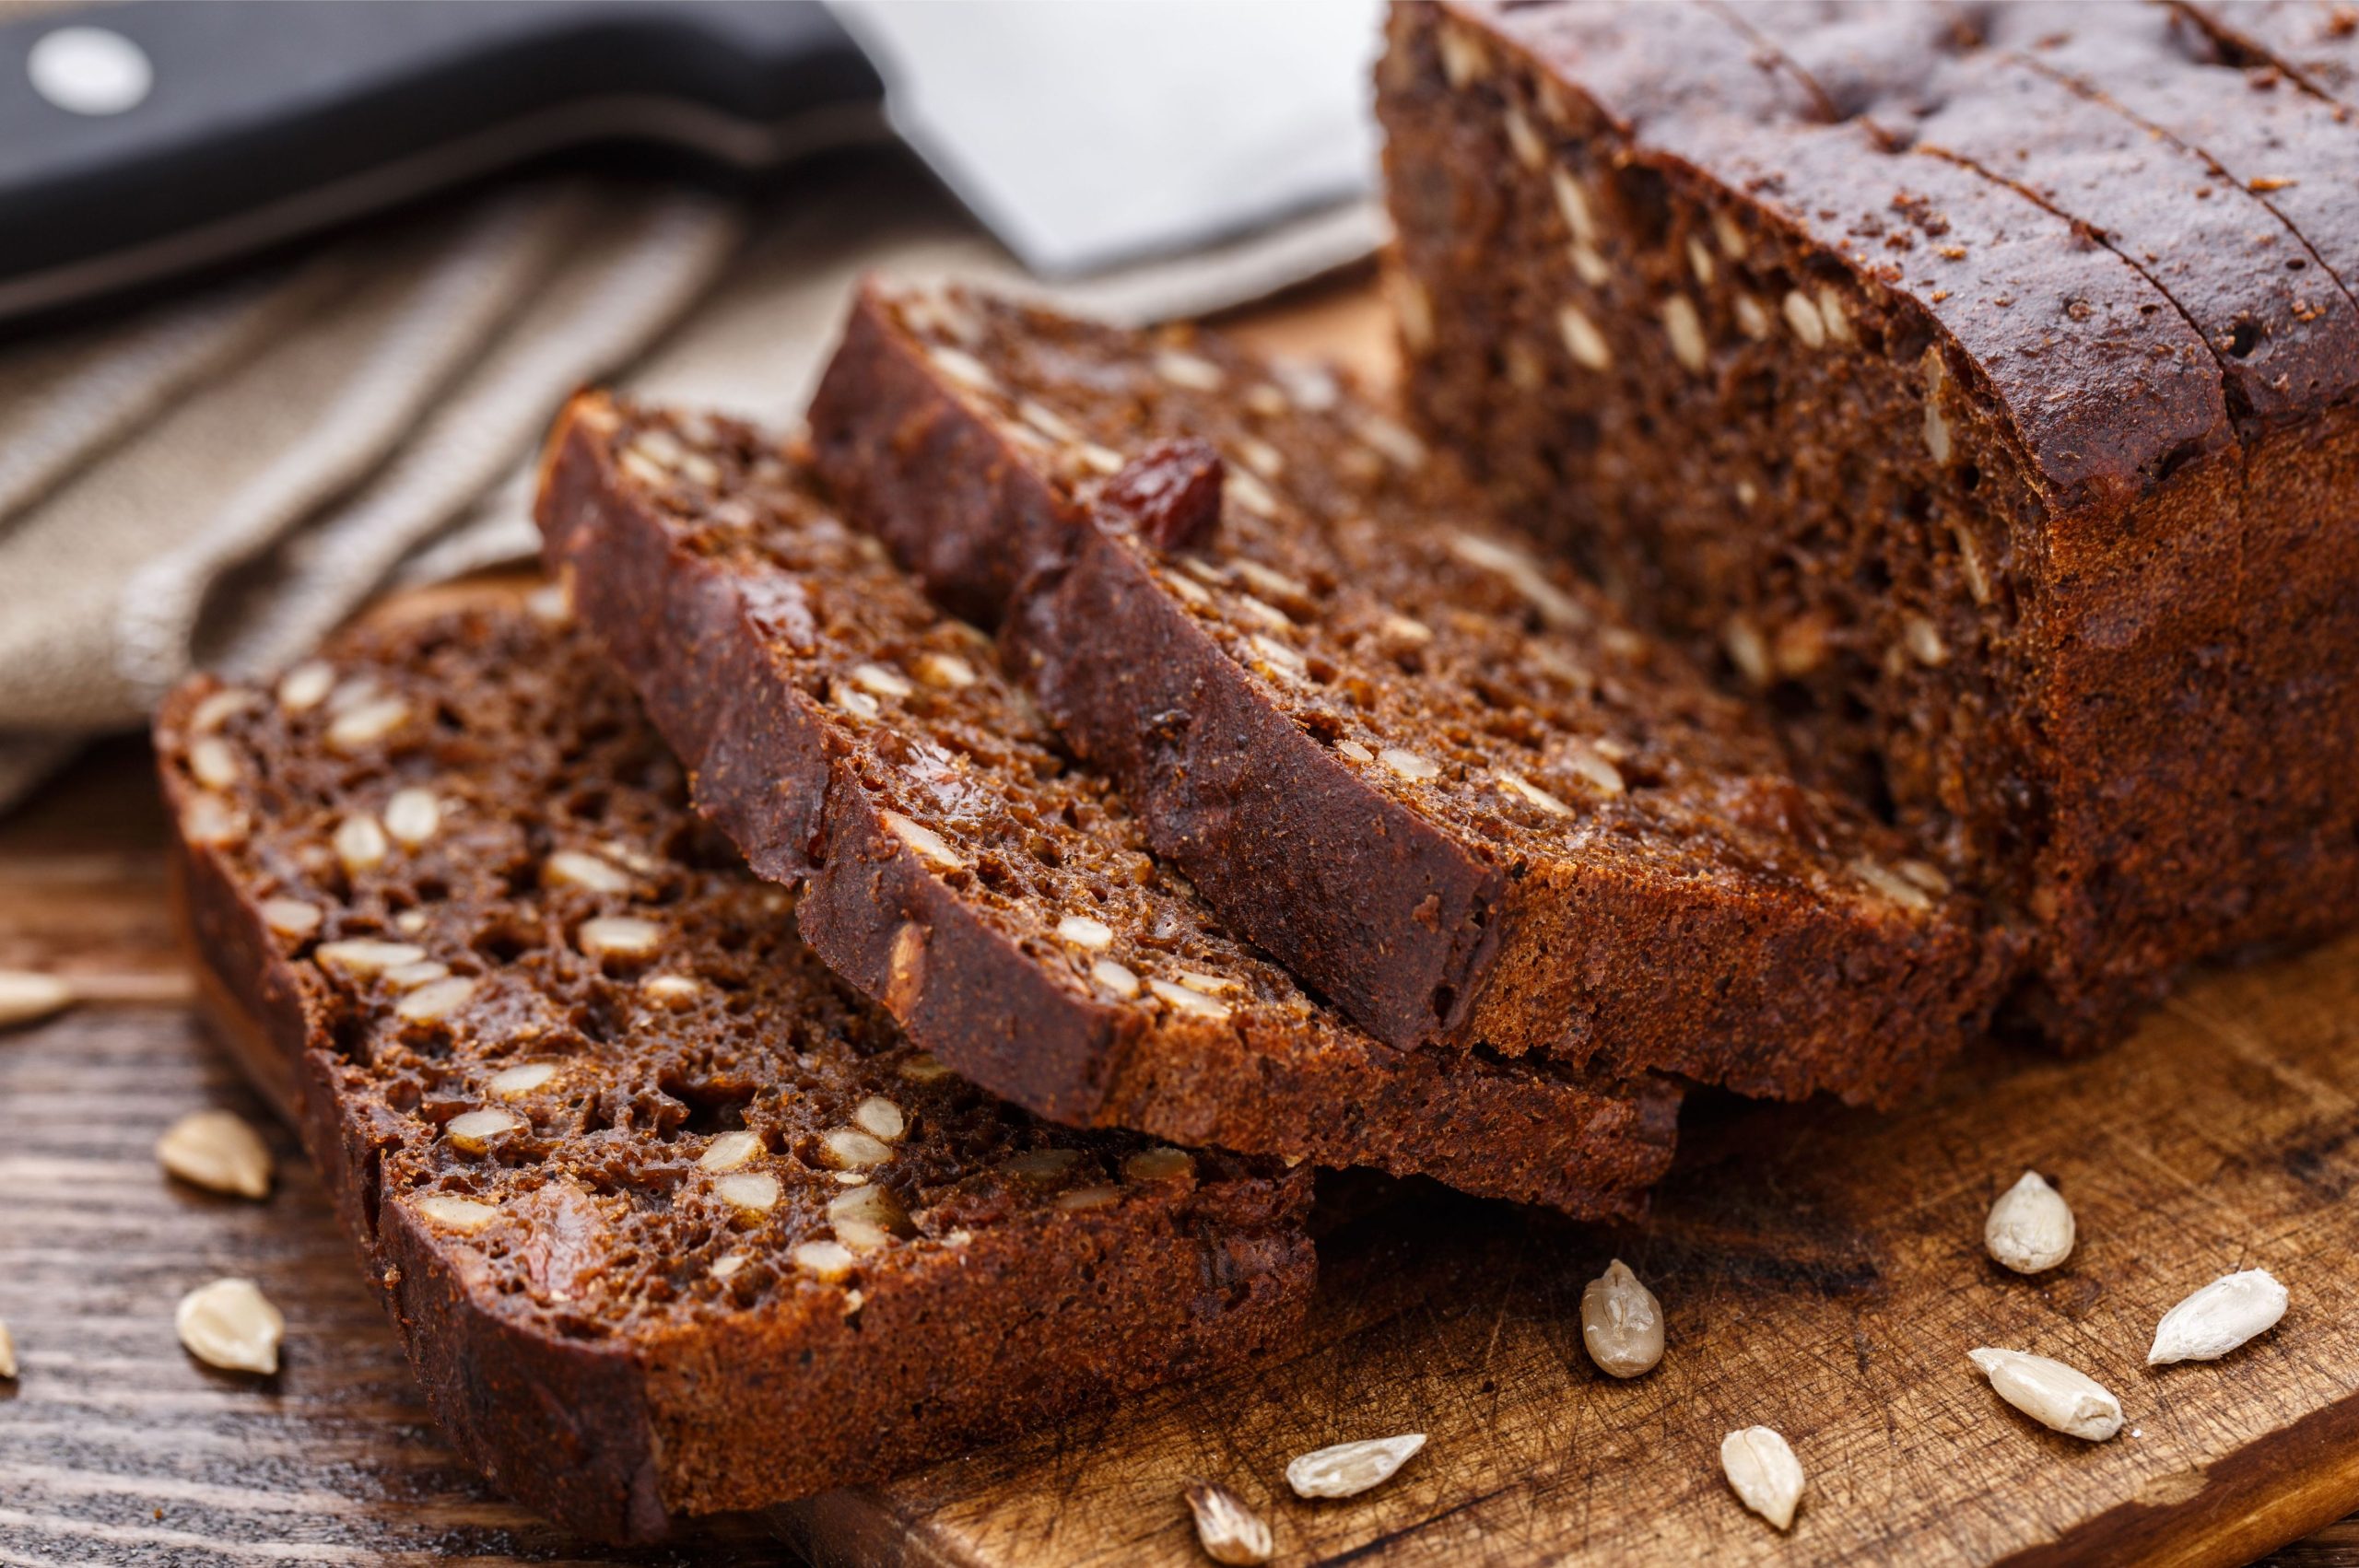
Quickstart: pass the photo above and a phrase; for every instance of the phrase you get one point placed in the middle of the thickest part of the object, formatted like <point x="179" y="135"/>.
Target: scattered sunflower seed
<point x="1349" y="1468"/>
<point x="2219" y="1317"/>
<point x="230" y="1325"/>
<point x="2030" y="1227"/>
<point x="217" y="1150"/>
<point x="1229" y="1531"/>
<point x="28" y="998"/>
<point x="1621" y="1323"/>
<point x="2051" y="1393"/>
<point x="1764" y="1473"/>
<point x="8" y="1355"/>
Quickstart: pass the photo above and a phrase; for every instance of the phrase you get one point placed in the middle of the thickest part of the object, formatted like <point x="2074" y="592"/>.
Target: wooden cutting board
<point x="1821" y="1271"/>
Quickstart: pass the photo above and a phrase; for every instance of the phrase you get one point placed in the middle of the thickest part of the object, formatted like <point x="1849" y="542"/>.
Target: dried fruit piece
<point x="217" y="1150"/>
<point x="1621" y="1323"/>
<point x="2051" y="1393"/>
<point x="1764" y="1473"/>
<point x="1349" y="1468"/>
<point x="1170" y="496"/>
<point x="1229" y="1531"/>
<point x="2219" y="1317"/>
<point x="230" y="1325"/>
<point x="27" y="998"/>
<point x="2030" y="1227"/>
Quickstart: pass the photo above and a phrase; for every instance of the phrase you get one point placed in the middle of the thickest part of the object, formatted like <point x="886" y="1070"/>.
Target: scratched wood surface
<point x="1821" y="1271"/>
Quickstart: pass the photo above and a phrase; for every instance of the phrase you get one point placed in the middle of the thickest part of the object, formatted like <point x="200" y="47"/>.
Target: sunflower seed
<point x="8" y="1355"/>
<point x="2219" y="1317"/>
<point x="1621" y="1323"/>
<point x="2051" y="1393"/>
<point x="1230" y="1532"/>
<point x="2030" y="1227"/>
<point x="228" y="1324"/>
<point x="1764" y="1473"/>
<point x="26" y="997"/>
<point x="1349" y="1468"/>
<point x="217" y="1150"/>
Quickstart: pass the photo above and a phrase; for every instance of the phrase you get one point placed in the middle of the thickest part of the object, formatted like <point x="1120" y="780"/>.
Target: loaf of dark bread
<point x="669" y="1220"/>
<point x="2313" y="45"/>
<point x="1438" y="779"/>
<point x="1949" y="374"/>
<point x="998" y="902"/>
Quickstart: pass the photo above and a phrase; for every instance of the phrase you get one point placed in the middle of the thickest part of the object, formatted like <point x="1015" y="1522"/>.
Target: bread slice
<point x="1951" y="372"/>
<point x="1438" y="779"/>
<point x="998" y="902"/>
<point x="670" y="1221"/>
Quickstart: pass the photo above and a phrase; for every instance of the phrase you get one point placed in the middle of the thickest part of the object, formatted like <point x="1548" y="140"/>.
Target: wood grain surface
<point x="1821" y="1271"/>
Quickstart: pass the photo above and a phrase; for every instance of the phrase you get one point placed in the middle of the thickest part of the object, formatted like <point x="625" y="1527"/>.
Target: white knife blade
<point x="1227" y="144"/>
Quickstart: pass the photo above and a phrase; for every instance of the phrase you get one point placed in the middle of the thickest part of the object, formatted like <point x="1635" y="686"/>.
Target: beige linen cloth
<point x="218" y="481"/>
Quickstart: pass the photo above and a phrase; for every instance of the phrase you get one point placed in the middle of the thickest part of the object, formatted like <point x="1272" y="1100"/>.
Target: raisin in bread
<point x="1437" y="779"/>
<point x="998" y="902"/>
<point x="1947" y="374"/>
<point x="671" y="1222"/>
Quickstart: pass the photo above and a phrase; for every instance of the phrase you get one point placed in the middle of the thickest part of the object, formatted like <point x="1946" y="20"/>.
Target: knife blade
<point x="1192" y="153"/>
<point x="1087" y="136"/>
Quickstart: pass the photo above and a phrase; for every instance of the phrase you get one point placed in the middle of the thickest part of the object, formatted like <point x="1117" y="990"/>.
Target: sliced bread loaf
<point x="1437" y="779"/>
<point x="1965" y="377"/>
<point x="1000" y="903"/>
<point x="671" y="1222"/>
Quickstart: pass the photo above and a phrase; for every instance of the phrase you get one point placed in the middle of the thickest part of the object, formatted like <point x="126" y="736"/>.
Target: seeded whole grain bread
<point x="1974" y="383"/>
<point x="998" y="902"/>
<point x="1438" y="780"/>
<point x="670" y="1222"/>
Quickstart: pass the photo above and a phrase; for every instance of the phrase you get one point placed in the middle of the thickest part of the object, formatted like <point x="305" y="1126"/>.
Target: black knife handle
<point x="268" y="119"/>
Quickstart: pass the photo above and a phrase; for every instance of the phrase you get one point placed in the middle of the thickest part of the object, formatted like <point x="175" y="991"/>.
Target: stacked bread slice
<point x="1300" y="815"/>
<point x="1439" y="779"/>
<point x="672" y="1221"/>
<point x="998" y="901"/>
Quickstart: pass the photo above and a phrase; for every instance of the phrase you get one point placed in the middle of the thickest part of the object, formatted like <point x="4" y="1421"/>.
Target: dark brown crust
<point x="762" y="759"/>
<point x="2284" y="342"/>
<point x="915" y="479"/>
<point x="1381" y="909"/>
<point x="1301" y="846"/>
<point x="744" y="1409"/>
<point x="2311" y="41"/>
<point x="2265" y="133"/>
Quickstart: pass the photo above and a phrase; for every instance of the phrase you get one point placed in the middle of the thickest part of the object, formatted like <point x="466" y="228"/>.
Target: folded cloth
<point x="218" y="481"/>
<point x="222" y="479"/>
